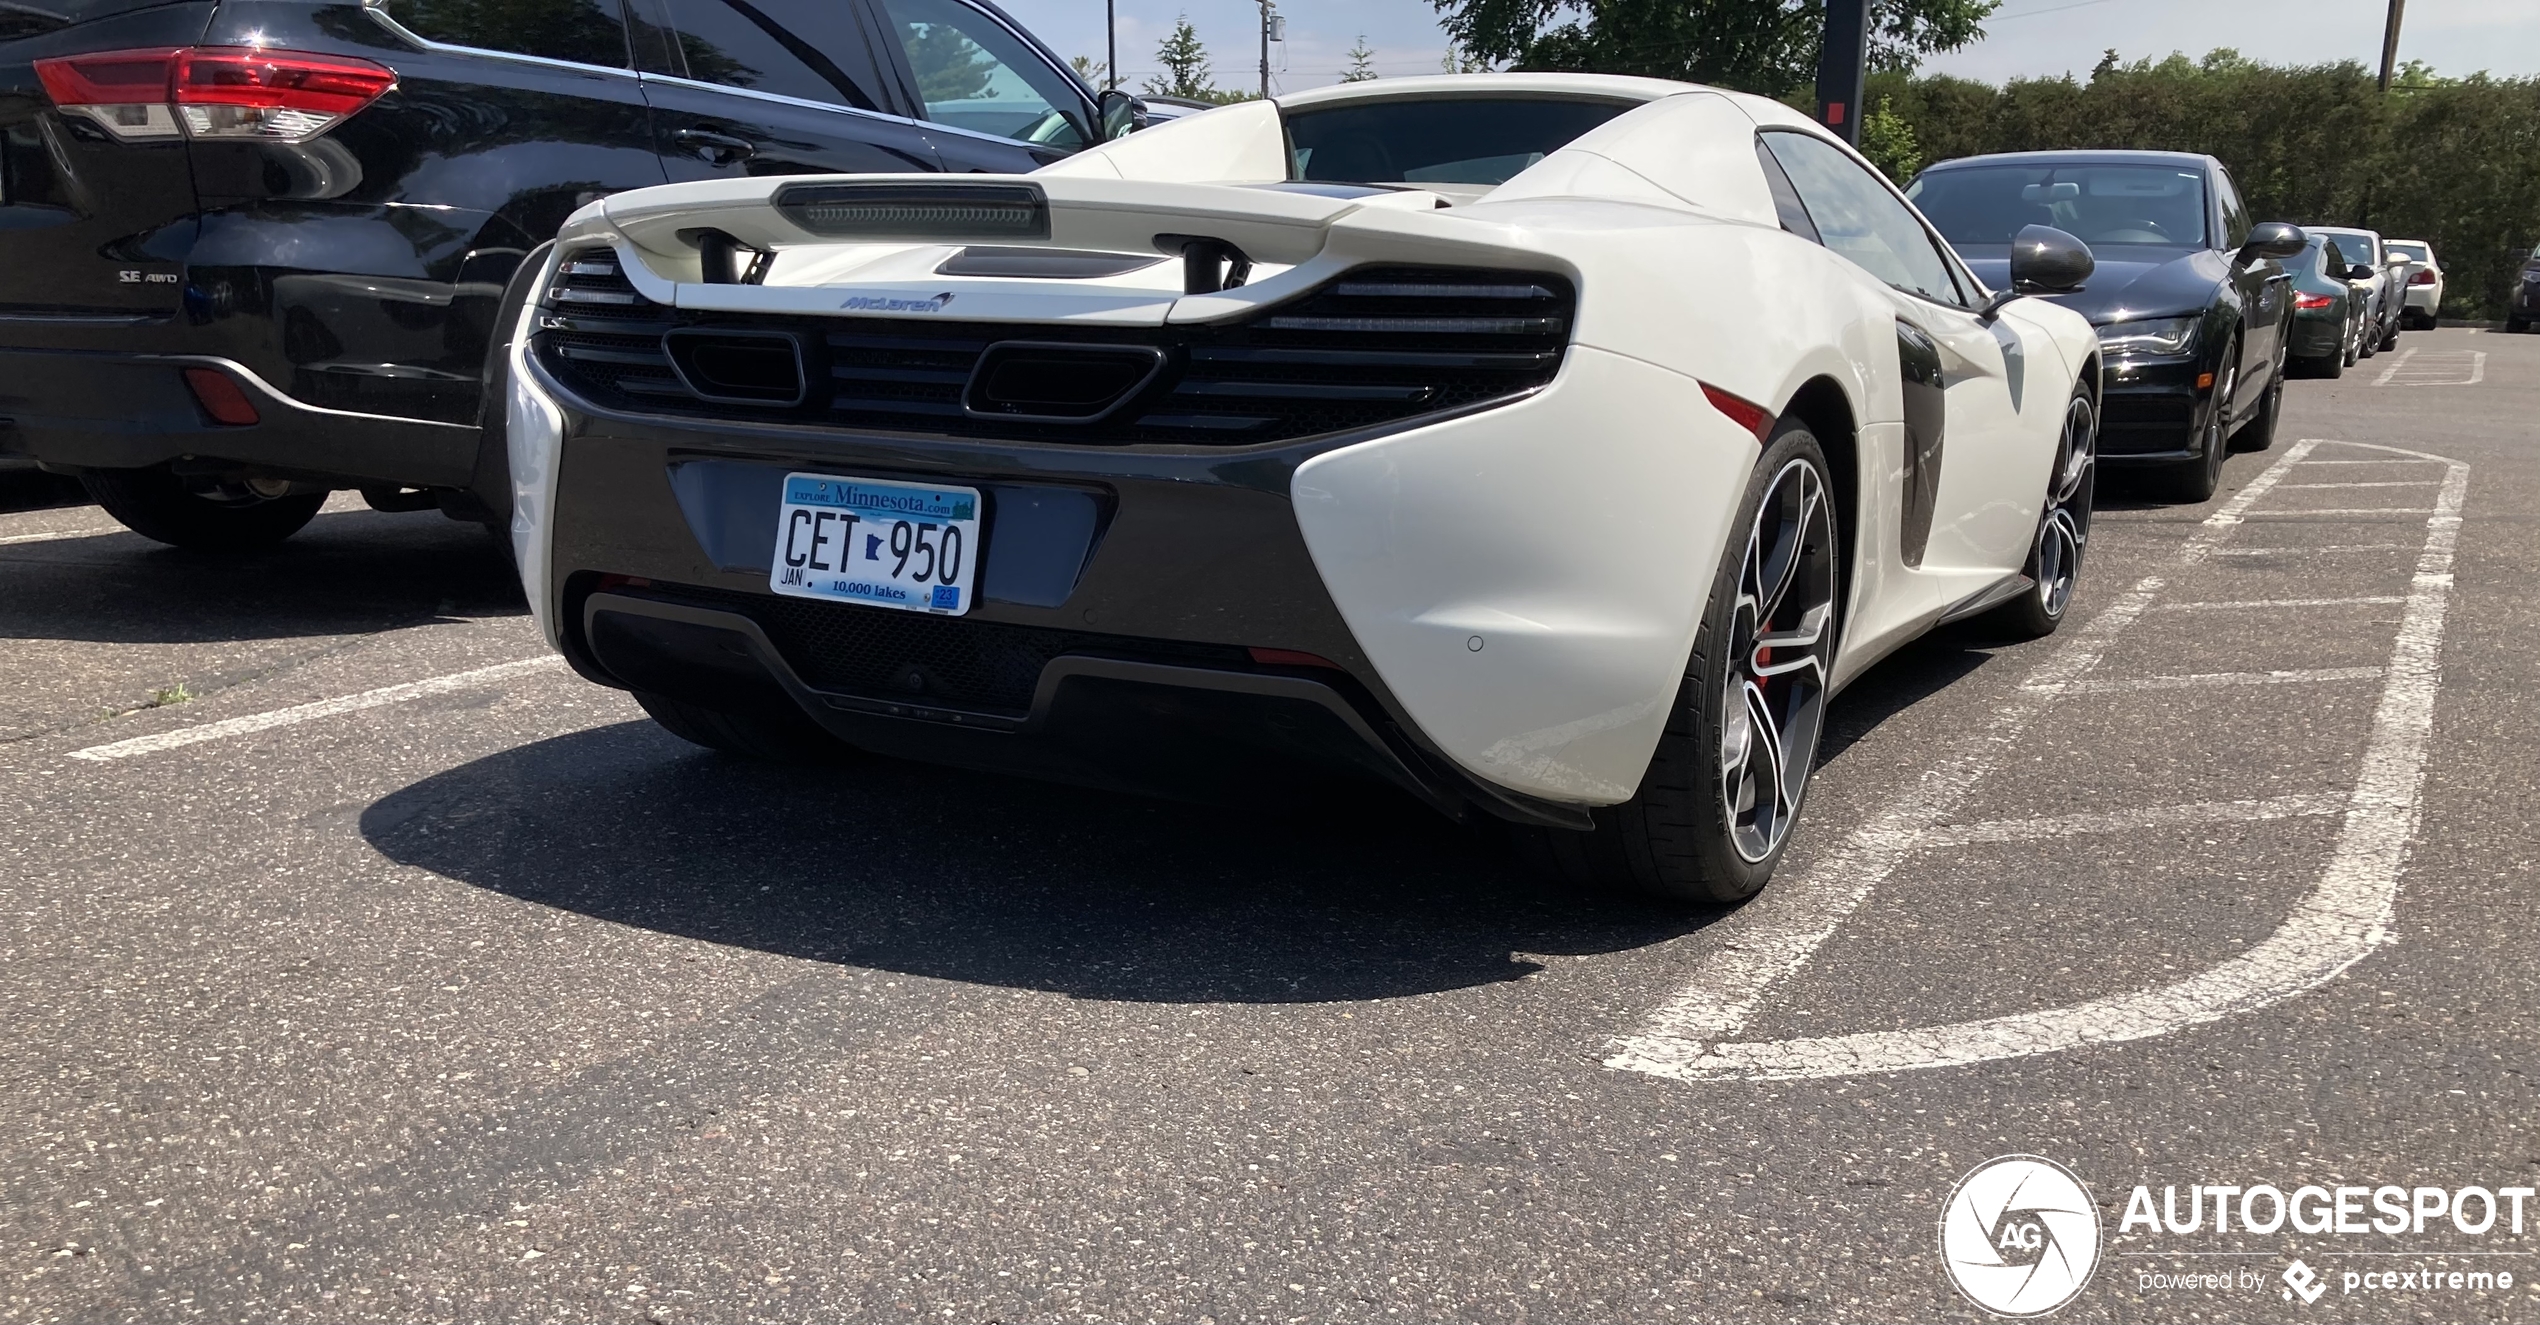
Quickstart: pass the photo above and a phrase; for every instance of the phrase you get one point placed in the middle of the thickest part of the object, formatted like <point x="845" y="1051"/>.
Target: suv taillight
<point x="214" y="91"/>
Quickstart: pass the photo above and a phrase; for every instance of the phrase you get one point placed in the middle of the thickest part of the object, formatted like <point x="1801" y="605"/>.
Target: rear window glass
<point x="2100" y="204"/>
<point x="1462" y="140"/>
<point x="582" y="31"/>
<point x="2415" y="252"/>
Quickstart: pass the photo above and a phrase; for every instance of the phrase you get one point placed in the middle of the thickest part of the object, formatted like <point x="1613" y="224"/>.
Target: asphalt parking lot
<point x="370" y="976"/>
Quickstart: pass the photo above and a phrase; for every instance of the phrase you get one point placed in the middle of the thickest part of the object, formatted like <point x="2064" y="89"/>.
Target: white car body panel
<point x="1526" y="579"/>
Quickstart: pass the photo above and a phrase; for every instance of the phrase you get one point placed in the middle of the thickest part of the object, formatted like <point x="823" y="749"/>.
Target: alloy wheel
<point x="1780" y="646"/>
<point x="2218" y="418"/>
<point x="2064" y="531"/>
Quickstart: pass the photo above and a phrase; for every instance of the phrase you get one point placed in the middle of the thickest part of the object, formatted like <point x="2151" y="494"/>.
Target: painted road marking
<point x="2255" y="604"/>
<point x="2292" y="676"/>
<point x="2324" y="547"/>
<point x="2435" y="368"/>
<point x="324" y="708"/>
<point x="2343" y="510"/>
<point x="59" y="534"/>
<point x="2376" y="483"/>
<point x="2127" y="821"/>
<point x="1763" y="944"/>
<point x="2345" y="916"/>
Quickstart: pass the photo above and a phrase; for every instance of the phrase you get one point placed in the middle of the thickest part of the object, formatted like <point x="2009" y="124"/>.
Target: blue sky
<point x="2024" y="37"/>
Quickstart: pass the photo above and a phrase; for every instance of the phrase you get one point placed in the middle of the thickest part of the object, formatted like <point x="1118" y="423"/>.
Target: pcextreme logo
<point x="2020" y="1236"/>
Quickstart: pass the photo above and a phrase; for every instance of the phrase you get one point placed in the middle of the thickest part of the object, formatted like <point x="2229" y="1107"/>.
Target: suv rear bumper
<point x="89" y="409"/>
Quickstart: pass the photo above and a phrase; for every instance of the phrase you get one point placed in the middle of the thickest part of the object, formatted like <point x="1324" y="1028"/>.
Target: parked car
<point x="2327" y="313"/>
<point x="2191" y="305"/>
<point x="2381" y="274"/>
<point x="251" y="250"/>
<point x="2424" y="278"/>
<point x="2524" y="307"/>
<point x="1357" y="433"/>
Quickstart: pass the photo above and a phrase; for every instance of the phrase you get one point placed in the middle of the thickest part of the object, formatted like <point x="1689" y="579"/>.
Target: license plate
<point x="908" y="546"/>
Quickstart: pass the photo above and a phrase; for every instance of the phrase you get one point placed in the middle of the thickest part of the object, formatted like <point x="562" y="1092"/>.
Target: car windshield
<point x="1460" y="140"/>
<point x="2100" y="204"/>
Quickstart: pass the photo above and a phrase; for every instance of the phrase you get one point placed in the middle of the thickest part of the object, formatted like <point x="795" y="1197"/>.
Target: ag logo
<point x="2020" y="1236"/>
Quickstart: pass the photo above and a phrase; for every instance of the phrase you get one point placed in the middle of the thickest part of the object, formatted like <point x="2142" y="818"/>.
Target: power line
<point x="2054" y="9"/>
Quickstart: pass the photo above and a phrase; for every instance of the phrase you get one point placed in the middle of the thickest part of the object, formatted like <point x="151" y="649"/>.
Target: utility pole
<point x="1265" y="49"/>
<point x="1111" y="44"/>
<point x="2390" y="44"/>
<point x="1843" y="66"/>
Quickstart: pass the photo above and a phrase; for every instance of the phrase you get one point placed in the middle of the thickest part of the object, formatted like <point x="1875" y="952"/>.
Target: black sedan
<point x="2191" y="304"/>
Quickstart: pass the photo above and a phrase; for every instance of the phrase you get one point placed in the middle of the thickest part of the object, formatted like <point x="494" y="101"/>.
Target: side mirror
<point x="2044" y="260"/>
<point x="2396" y="260"/>
<point x="1121" y="114"/>
<point x="2361" y="271"/>
<point x="2273" y="239"/>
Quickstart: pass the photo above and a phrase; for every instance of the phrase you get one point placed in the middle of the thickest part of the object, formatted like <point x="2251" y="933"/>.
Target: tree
<point x="1185" y="63"/>
<point x="1088" y="68"/>
<point x="949" y="65"/>
<point x="1461" y="61"/>
<point x="1888" y="141"/>
<point x="1766" y="46"/>
<point x="1362" y="62"/>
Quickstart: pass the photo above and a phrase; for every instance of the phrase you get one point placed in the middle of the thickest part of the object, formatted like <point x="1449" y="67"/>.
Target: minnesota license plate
<point x="909" y="546"/>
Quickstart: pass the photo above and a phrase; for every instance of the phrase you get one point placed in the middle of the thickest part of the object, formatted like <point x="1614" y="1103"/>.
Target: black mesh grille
<point x="1376" y="346"/>
<point x="2145" y="423"/>
<point x="958" y="662"/>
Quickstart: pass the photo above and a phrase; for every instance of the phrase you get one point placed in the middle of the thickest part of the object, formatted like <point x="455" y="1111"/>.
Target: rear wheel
<point x="766" y="737"/>
<point x="2195" y="479"/>
<point x="199" y="514"/>
<point x="1715" y="809"/>
<point x="2063" y="530"/>
<point x="2331" y="366"/>
<point x="2517" y="325"/>
<point x="2390" y="338"/>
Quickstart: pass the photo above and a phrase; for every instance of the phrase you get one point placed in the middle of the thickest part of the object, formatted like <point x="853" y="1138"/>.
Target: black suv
<point x="255" y="250"/>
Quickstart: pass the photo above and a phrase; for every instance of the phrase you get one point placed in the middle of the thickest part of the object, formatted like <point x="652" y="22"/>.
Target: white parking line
<point x="2260" y="603"/>
<point x="2377" y="462"/>
<point x="2343" y="918"/>
<point x="1766" y="943"/>
<point x="324" y="708"/>
<point x="2435" y="368"/>
<point x="2395" y="365"/>
<point x="2126" y="821"/>
<point x="2377" y="483"/>
<point x="2294" y="676"/>
<point x="2324" y="547"/>
<point x="2343" y="510"/>
<point x="58" y="534"/>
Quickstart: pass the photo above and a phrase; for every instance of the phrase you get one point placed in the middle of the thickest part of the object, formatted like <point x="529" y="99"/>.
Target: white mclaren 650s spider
<point x="1551" y="448"/>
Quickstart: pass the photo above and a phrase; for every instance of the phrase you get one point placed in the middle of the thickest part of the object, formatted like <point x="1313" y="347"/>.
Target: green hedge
<point x="2455" y="162"/>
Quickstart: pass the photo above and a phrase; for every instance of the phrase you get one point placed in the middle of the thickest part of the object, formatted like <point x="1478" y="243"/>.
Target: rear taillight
<point x="214" y="91"/>
<point x="2313" y="302"/>
<point x="2424" y="276"/>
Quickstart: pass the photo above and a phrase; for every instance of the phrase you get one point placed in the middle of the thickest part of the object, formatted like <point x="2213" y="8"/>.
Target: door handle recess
<point x="716" y="147"/>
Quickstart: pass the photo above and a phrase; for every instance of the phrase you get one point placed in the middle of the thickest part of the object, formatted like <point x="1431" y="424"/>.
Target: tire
<point x="2194" y="479"/>
<point x="1697" y="830"/>
<point x="197" y="515"/>
<point x="2258" y="434"/>
<point x="2354" y="343"/>
<point x="2515" y="326"/>
<point x="764" y="737"/>
<point x="2390" y="338"/>
<point x="2328" y="366"/>
<point x="2063" y="531"/>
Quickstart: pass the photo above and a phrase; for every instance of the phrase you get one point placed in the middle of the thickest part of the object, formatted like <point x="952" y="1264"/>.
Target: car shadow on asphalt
<point x="349" y="572"/>
<point x="995" y="880"/>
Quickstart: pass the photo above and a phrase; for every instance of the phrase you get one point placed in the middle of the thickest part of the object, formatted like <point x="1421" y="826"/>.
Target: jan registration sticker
<point x="871" y="541"/>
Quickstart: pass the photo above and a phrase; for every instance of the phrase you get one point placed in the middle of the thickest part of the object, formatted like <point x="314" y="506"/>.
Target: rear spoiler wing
<point x="674" y="225"/>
